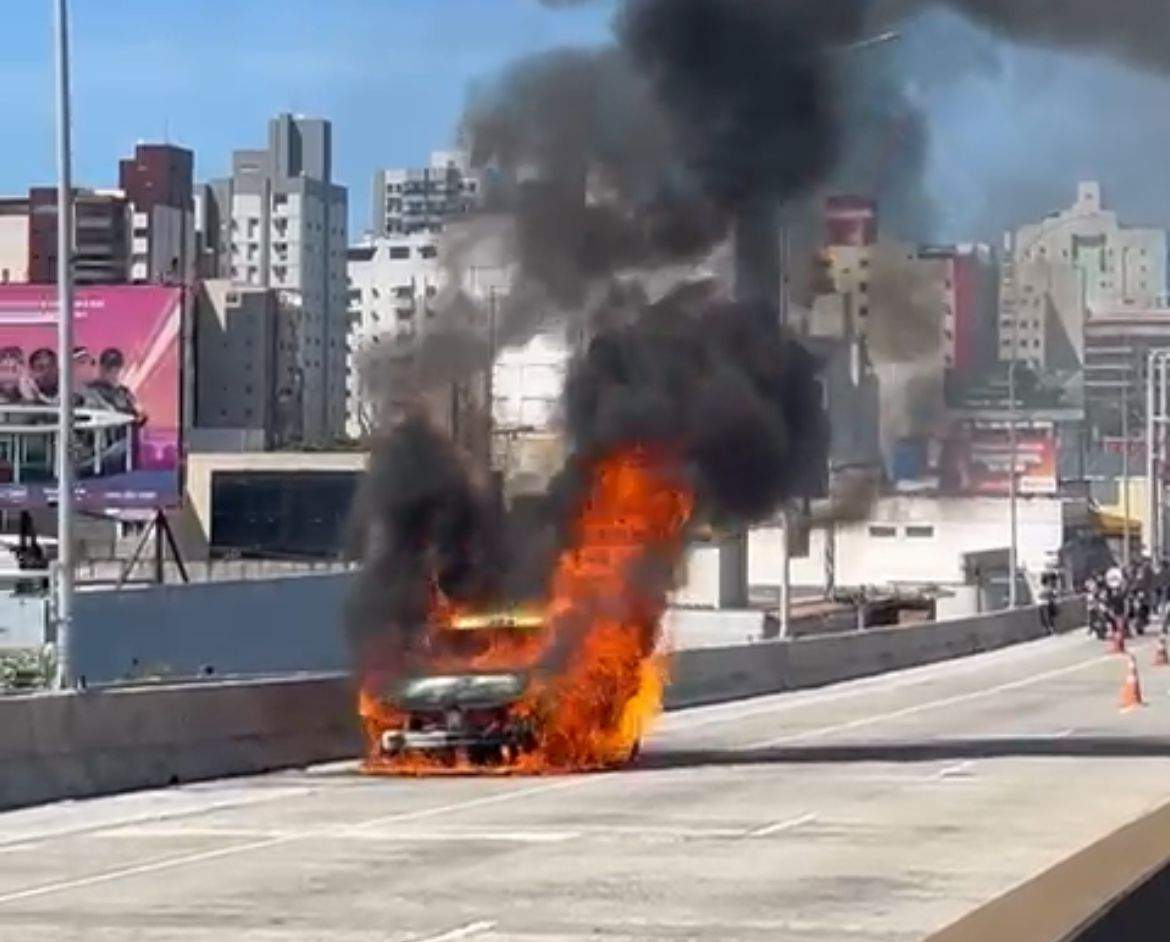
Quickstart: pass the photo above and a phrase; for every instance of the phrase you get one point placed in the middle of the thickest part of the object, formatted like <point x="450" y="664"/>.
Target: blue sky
<point x="1012" y="128"/>
<point x="391" y="74"/>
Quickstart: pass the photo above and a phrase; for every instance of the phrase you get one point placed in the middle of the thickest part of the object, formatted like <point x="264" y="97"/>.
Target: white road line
<point x="424" y="813"/>
<point x="150" y="867"/>
<point x="693" y="718"/>
<point x="167" y="863"/>
<point x="929" y="705"/>
<point x="957" y="770"/>
<point x="463" y="932"/>
<point x="501" y="837"/>
<point x="494" y="836"/>
<point x="779" y="827"/>
<point x="170" y="814"/>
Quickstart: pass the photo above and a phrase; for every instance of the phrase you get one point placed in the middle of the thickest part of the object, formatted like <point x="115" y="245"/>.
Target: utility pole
<point x="1125" y="437"/>
<point x="490" y="376"/>
<point x="1160" y="441"/>
<point x="1153" y="364"/>
<point x="1013" y="445"/>
<point x="785" y="571"/>
<point x="65" y="562"/>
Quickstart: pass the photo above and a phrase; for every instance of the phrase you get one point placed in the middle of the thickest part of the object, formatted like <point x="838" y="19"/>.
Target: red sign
<point x="978" y="462"/>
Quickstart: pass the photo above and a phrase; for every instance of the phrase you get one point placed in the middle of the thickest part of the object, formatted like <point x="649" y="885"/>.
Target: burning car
<point x="475" y="713"/>
<point x="568" y="685"/>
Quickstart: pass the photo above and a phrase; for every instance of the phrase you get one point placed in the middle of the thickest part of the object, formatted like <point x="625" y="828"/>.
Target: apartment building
<point x="280" y="222"/>
<point x="417" y="200"/>
<point x="1071" y="266"/>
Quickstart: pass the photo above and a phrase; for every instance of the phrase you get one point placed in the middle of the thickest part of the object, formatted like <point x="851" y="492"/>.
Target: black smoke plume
<point x="737" y="400"/>
<point x="715" y="385"/>
<point x="420" y="522"/>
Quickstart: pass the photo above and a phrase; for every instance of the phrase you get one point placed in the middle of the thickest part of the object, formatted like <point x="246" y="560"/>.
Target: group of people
<point x="97" y="380"/>
<point x="1129" y="598"/>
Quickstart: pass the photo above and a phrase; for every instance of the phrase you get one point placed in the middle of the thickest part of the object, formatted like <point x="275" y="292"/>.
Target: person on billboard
<point x="110" y="387"/>
<point x="12" y="375"/>
<point x="44" y="377"/>
<point x="85" y="374"/>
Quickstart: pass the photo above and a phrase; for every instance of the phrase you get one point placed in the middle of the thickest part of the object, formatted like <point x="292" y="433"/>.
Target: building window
<point x="920" y="533"/>
<point x="399" y="252"/>
<point x="883" y="532"/>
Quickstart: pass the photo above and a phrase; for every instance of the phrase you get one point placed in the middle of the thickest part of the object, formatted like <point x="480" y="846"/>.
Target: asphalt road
<point x="876" y="810"/>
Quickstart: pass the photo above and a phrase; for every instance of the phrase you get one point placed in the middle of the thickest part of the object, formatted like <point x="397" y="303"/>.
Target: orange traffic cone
<point x="1131" y="690"/>
<point x="1161" y="657"/>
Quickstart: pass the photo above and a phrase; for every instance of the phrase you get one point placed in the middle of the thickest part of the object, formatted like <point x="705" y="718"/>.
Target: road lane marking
<point x="780" y="827"/>
<point x="691" y="718"/>
<point x="958" y="770"/>
<point x="500" y="835"/>
<point x="177" y="811"/>
<point x="152" y="866"/>
<point x="923" y="707"/>
<point x="463" y="932"/>
<point x="167" y="863"/>
<point x="454" y="807"/>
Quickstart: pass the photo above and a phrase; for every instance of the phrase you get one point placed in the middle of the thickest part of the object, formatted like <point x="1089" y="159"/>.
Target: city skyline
<point x="140" y="85"/>
<point x="1000" y="149"/>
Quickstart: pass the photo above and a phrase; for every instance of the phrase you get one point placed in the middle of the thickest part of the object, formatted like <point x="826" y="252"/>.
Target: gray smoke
<point x="1133" y="31"/>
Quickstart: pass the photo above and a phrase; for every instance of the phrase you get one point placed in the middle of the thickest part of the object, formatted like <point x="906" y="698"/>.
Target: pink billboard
<point x="126" y="382"/>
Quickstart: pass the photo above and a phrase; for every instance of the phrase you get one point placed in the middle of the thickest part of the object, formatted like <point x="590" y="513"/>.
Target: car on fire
<point x="476" y="714"/>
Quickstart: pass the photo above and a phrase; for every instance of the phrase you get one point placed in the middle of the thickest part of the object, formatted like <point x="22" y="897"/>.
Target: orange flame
<point x="606" y="601"/>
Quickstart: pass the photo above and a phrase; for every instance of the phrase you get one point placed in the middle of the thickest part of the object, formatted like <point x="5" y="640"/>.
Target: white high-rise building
<point x="400" y="291"/>
<point x="416" y="200"/>
<point x="1058" y="273"/>
<point x="393" y="284"/>
<point x="280" y="223"/>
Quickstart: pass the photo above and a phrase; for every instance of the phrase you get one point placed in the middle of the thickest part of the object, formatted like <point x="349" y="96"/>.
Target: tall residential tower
<point x="279" y="222"/>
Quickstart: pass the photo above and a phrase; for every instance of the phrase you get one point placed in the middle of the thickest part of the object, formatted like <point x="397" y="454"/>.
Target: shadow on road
<point x="934" y="750"/>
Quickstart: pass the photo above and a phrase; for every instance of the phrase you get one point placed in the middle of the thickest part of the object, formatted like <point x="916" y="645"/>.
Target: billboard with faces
<point x="125" y="390"/>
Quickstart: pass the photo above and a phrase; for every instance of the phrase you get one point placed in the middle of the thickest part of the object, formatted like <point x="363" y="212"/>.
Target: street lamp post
<point x="1154" y="363"/>
<point x="1158" y="544"/>
<point x="1013" y="448"/>
<point x="64" y="568"/>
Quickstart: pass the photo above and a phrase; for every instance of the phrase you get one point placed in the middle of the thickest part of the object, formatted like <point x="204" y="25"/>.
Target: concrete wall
<point x="712" y="674"/>
<point x="264" y="627"/>
<point x="54" y="746"/>
<point x="23" y="622"/>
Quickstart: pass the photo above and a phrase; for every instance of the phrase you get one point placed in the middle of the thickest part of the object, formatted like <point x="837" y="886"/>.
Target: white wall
<point x="14" y="249"/>
<point x="956" y="526"/>
<point x="529" y="379"/>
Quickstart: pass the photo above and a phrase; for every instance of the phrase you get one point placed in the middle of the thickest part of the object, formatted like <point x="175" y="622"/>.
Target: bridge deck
<point x="876" y="810"/>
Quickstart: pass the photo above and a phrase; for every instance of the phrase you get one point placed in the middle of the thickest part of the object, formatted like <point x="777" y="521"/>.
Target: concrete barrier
<point x="1118" y="888"/>
<point x="54" y="746"/>
<point x="262" y="627"/>
<point x="709" y="675"/>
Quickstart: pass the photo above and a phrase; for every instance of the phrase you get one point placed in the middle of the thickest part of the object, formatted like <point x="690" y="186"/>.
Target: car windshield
<point x="461" y="689"/>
